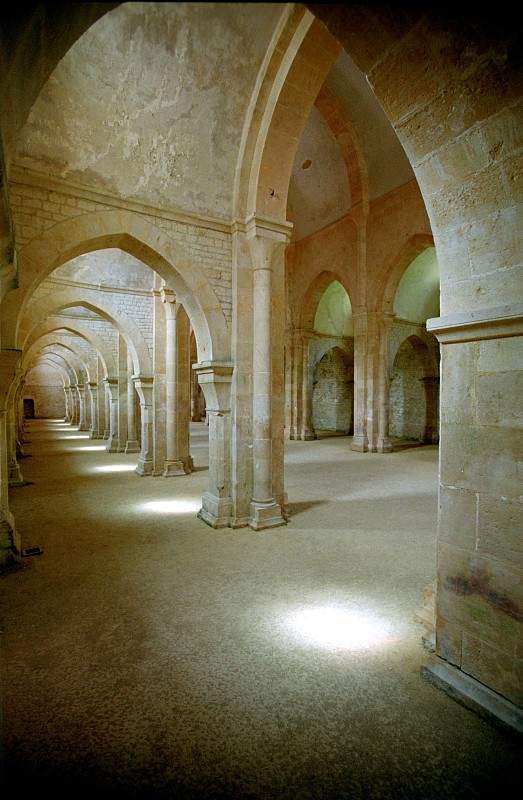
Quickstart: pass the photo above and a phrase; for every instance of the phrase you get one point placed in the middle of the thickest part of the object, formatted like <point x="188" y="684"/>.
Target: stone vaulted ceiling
<point x="150" y="103"/>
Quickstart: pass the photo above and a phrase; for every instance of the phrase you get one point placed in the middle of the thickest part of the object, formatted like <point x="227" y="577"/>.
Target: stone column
<point x="265" y="511"/>
<point x="100" y="399"/>
<point x="111" y="387"/>
<point x="215" y="380"/>
<point x="144" y="387"/>
<point x="76" y="405"/>
<point x="131" y="445"/>
<point x="10" y="544"/>
<point x="177" y="387"/>
<point x="107" y="411"/>
<point x="306" y="431"/>
<point x="371" y="381"/>
<point x="15" y="477"/>
<point x="431" y="386"/>
<point x="66" y="404"/>
<point x="82" y="422"/>
<point x="159" y="390"/>
<point x="360" y="441"/>
<point x="122" y="394"/>
<point x="296" y="384"/>
<point x="383" y="444"/>
<point x="350" y="387"/>
<point x="70" y="404"/>
<point x="94" y="432"/>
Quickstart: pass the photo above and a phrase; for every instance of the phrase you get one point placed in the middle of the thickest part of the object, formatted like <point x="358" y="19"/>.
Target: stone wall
<point x="408" y="408"/>
<point x="332" y="396"/>
<point x="45" y="387"/>
<point x="36" y="208"/>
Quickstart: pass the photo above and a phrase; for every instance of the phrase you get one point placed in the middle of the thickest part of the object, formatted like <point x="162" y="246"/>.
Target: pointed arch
<point x="38" y="311"/>
<point x="139" y="237"/>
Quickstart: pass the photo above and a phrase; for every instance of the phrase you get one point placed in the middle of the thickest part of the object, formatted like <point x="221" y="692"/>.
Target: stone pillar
<point x="70" y="404"/>
<point x="350" y="387"/>
<point x="144" y="387"/>
<point x="10" y="544"/>
<point x="371" y="381"/>
<point x="306" y="430"/>
<point x="479" y="596"/>
<point x="122" y="394"/>
<point x="265" y="511"/>
<point x="215" y="380"/>
<point x="82" y="421"/>
<point x="15" y="477"/>
<point x="66" y="404"/>
<point x="131" y="446"/>
<point x="100" y="398"/>
<point x="76" y="405"/>
<point x="431" y="386"/>
<point x="107" y="411"/>
<point x="384" y="324"/>
<point x="296" y="384"/>
<point x="94" y="432"/>
<point x="111" y="387"/>
<point x="360" y="441"/>
<point x="177" y="387"/>
<point x="159" y="390"/>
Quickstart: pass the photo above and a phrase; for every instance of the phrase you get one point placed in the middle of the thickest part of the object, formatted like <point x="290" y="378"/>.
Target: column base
<point x="10" y="543"/>
<point x="105" y="435"/>
<point x="83" y="427"/>
<point x="307" y="436"/>
<point x="473" y="694"/>
<point x="179" y="467"/>
<point x="359" y="443"/>
<point x="265" y="515"/>
<point x="215" y="511"/>
<point x="112" y="445"/>
<point x="384" y="447"/>
<point x="144" y="468"/>
<point x="15" y="475"/>
<point x="132" y="446"/>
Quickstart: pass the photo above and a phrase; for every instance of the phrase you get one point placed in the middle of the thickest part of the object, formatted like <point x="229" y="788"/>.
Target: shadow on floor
<point x="298" y="508"/>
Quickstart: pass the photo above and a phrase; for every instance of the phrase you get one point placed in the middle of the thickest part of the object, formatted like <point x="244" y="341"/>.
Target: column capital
<point x="484" y="323"/>
<point x="215" y="379"/>
<point x="256" y="225"/>
<point x="142" y="381"/>
<point x="265" y="238"/>
<point x="167" y="295"/>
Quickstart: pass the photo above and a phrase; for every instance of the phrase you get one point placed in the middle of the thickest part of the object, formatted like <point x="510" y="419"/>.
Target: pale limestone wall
<point x="480" y="595"/>
<point x="45" y="387"/>
<point x="36" y="209"/>
<point x="407" y="404"/>
<point x="332" y="396"/>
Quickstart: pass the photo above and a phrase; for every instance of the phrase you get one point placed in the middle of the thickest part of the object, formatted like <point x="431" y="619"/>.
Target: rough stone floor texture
<point x="145" y="655"/>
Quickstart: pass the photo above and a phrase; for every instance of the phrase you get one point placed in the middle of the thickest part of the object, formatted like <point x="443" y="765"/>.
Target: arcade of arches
<point x="292" y="231"/>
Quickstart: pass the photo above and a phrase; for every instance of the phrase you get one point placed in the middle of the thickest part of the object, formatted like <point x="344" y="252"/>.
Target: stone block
<point x="500" y="355"/>
<point x="500" y="529"/>
<point x="480" y="595"/>
<point x="457" y="517"/>
<point x="493" y="667"/>
<point x="458" y="364"/>
<point x="499" y="399"/>
<point x="482" y="459"/>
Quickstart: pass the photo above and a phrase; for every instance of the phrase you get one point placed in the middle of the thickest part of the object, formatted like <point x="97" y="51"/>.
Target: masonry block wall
<point x="332" y="397"/>
<point x="408" y="407"/>
<point x="46" y="388"/>
<point x="36" y="208"/>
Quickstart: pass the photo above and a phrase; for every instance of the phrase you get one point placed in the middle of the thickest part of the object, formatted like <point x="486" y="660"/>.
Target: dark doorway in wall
<point x="29" y="408"/>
